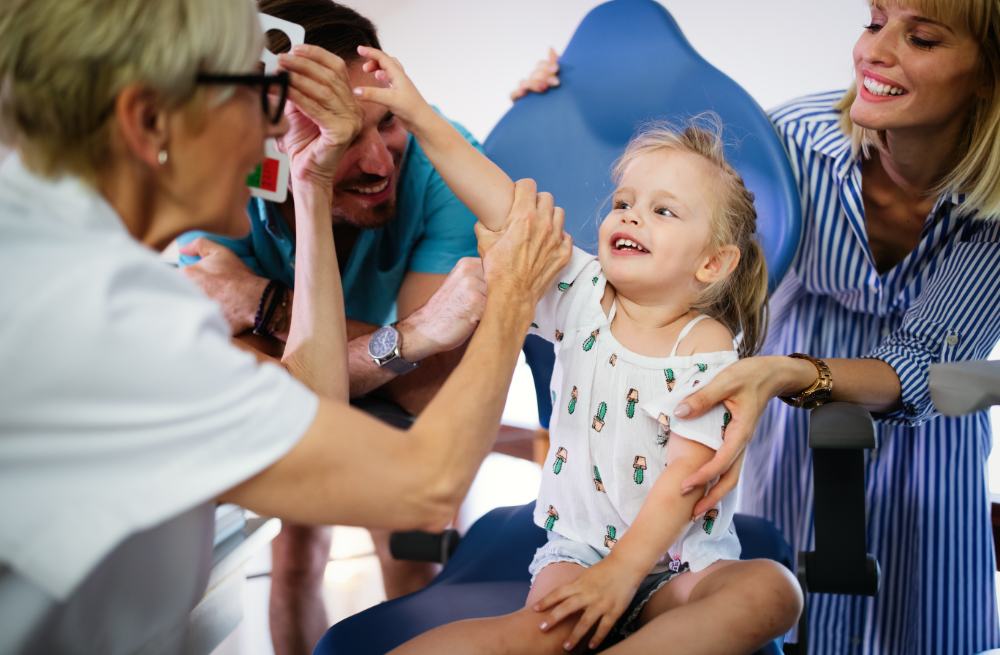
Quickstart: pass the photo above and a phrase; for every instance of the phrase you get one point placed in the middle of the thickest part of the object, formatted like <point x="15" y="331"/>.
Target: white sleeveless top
<point x="612" y="420"/>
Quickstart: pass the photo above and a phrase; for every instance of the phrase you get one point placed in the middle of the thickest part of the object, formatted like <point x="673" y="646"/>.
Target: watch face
<point x="383" y="342"/>
<point x="816" y="398"/>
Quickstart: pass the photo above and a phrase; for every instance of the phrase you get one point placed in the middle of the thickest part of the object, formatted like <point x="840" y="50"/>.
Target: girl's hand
<point x="402" y="99"/>
<point x="603" y="591"/>
<point x="323" y="114"/>
<point x="545" y="75"/>
<point x="745" y="388"/>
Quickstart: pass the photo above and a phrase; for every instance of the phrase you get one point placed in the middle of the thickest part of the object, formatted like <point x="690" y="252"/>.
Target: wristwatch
<point x="384" y="348"/>
<point x="819" y="392"/>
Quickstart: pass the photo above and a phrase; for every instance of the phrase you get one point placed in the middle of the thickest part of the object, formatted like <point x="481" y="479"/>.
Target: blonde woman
<point x="125" y="410"/>
<point x="899" y="268"/>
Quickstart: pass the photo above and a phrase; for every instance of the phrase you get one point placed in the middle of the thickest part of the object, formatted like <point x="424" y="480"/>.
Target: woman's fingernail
<point x="553" y="81"/>
<point x="567" y="646"/>
<point x="686" y="490"/>
<point x="553" y="68"/>
<point x="300" y="48"/>
<point x="544" y="625"/>
<point x="682" y="411"/>
<point x="357" y="91"/>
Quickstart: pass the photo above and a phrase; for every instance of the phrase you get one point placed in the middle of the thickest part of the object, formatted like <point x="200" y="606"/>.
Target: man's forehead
<point x="358" y="77"/>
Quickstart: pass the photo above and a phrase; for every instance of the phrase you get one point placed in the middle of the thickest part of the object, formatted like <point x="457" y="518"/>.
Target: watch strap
<point x="398" y="365"/>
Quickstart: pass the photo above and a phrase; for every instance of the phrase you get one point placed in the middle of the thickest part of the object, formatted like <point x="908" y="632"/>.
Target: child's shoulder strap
<point x="684" y="333"/>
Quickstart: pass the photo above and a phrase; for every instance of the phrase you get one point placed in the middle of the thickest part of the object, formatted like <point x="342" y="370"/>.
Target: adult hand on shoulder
<point x="545" y="75"/>
<point x="451" y="314"/>
<point x="324" y="116"/>
<point x="745" y="388"/>
<point x="227" y="280"/>
<point x="532" y="248"/>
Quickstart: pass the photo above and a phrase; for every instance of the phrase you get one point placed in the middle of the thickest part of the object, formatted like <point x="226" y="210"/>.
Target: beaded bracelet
<point x="265" y="309"/>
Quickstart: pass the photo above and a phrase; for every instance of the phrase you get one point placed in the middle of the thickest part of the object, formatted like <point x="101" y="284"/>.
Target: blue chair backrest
<point x="627" y="64"/>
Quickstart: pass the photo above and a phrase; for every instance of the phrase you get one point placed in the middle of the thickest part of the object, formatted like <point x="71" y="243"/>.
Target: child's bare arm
<point x="605" y="589"/>
<point x="479" y="183"/>
<point x="666" y="512"/>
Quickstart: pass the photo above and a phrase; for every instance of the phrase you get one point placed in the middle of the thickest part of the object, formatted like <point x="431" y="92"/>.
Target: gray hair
<point x="63" y="63"/>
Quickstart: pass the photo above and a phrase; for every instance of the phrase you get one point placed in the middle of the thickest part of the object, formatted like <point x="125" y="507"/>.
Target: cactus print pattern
<point x="598" y="423"/>
<point x="702" y="367"/>
<point x="553" y="517"/>
<point x="564" y="285"/>
<point x="609" y="539"/>
<point x="639" y="464"/>
<point x="534" y="325"/>
<point x="594" y="281"/>
<point x="572" y="400"/>
<point x="630" y="400"/>
<point x="671" y="381"/>
<point x="613" y="360"/>
<point x="710" y="517"/>
<point x="590" y="341"/>
<point x="561" y="456"/>
<point x="559" y="335"/>
<point x="726" y="418"/>
<point x="598" y="483"/>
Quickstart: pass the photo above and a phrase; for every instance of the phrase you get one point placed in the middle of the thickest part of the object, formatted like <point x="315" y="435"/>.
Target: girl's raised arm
<point x="479" y="183"/>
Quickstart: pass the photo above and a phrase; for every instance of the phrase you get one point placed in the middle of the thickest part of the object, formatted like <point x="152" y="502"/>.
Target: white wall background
<point x="466" y="56"/>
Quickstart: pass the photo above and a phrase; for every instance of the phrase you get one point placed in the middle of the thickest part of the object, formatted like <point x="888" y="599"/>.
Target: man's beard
<point x="368" y="219"/>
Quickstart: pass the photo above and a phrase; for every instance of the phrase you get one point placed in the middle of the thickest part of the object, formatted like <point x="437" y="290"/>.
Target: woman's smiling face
<point x="913" y="71"/>
<point x="659" y="227"/>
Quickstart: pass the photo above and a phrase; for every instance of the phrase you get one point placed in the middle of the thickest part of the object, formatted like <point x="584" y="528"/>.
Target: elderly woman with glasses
<point x="125" y="408"/>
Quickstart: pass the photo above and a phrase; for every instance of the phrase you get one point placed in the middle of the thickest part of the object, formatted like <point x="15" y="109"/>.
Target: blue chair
<point x="628" y="63"/>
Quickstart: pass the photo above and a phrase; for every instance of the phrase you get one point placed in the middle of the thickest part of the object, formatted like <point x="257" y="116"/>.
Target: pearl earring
<point x="162" y="157"/>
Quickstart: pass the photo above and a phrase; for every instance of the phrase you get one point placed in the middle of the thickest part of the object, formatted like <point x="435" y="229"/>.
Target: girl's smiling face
<point x="913" y="71"/>
<point x="654" y="243"/>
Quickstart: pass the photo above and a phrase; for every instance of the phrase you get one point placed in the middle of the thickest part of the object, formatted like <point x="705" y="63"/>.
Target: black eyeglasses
<point x="272" y="104"/>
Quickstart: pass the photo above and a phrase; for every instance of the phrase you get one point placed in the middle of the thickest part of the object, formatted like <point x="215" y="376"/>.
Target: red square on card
<point x="269" y="175"/>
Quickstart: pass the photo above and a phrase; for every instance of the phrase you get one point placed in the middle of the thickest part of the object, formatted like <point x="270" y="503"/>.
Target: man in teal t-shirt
<point x="404" y="243"/>
<point x="428" y="232"/>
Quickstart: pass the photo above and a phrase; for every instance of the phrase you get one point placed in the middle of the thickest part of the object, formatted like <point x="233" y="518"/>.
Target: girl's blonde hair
<point x="738" y="301"/>
<point x="63" y="63"/>
<point x="976" y="171"/>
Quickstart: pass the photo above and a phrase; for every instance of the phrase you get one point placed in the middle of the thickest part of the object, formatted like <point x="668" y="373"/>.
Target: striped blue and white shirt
<point x="927" y="495"/>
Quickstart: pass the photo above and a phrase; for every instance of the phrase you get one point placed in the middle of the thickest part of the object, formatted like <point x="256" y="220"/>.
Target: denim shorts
<point x="561" y="549"/>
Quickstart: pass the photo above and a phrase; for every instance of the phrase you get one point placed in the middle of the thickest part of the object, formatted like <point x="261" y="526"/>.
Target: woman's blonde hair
<point x="976" y="171"/>
<point x="63" y="63"/>
<point x="738" y="301"/>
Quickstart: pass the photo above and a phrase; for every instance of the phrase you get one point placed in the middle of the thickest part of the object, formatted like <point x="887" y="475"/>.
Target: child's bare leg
<point x="514" y="633"/>
<point x="730" y="607"/>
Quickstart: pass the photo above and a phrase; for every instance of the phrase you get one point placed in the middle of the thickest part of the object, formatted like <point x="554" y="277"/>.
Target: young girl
<point x="637" y="329"/>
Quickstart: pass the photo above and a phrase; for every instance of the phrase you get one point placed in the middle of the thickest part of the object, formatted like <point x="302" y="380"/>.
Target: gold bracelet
<point x="817" y="393"/>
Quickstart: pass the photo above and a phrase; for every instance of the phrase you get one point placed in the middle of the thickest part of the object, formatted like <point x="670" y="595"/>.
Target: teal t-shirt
<point x="432" y="230"/>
